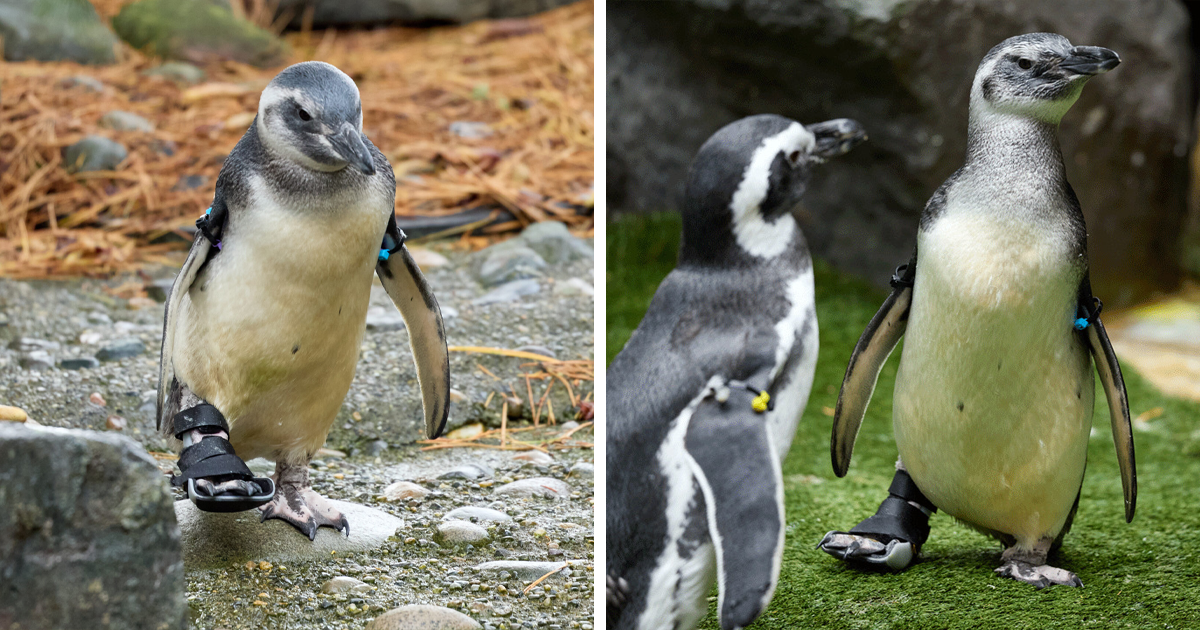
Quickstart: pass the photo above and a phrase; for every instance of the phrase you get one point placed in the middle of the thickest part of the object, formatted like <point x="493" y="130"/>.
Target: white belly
<point x="993" y="401"/>
<point x="270" y="332"/>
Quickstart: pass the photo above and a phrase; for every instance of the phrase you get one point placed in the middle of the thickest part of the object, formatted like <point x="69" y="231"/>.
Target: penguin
<point x="992" y="407"/>
<point x="704" y="399"/>
<point x="264" y="321"/>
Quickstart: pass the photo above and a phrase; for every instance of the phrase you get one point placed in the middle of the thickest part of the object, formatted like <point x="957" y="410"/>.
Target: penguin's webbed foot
<point x="298" y="504"/>
<point x="892" y="537"/>
<point x="1040" y="576"/>
<point x="216" y="479"/>
<point x="895" y="554"/>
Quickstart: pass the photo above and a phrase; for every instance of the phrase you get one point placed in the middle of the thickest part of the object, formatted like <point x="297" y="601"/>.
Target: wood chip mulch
<point x="531" y="81"/>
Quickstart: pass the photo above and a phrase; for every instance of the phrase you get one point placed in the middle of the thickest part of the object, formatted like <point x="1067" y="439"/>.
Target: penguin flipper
<point x="732" y="458"/>
<point x="406" y="285"/>
<point x="1118" y="405"/>
<point x="870" y="353"/>
<point x="207" y="239"/>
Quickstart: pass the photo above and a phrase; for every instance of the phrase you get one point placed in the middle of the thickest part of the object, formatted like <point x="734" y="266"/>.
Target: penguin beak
<point x="1090" y="60"/>
<point x="836" y="137"/>
<point x="350" y="144"/>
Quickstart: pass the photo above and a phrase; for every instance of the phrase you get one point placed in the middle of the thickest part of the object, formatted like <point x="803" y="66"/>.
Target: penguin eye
<point x="794" y="157"/>
<point x="1024" y="63"/>
<point x="303" y="114"/>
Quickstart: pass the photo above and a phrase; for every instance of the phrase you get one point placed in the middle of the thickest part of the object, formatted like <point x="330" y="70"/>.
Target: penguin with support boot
<point x="264" y="321"/>
<point x="993" y="400"/>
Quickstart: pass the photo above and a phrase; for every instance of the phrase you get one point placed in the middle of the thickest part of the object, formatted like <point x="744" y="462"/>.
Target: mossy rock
<point x="54" y="30"/>
<point x="196" y="31"/>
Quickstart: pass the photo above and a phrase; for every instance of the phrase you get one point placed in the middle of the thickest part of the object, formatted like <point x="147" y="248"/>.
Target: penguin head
<point x="747" y="178"/>
<point x="311" y="114"/>
<point x="1038" y="75"/>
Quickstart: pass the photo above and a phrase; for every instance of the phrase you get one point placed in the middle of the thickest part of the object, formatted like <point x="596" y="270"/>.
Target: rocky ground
<point x="84" y="354"/>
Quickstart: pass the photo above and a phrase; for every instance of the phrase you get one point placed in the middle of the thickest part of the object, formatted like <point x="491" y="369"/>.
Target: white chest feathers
<point x="270" y="330"/>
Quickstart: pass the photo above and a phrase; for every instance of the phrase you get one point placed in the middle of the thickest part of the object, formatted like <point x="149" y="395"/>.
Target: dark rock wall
<point x="677" y="71"/>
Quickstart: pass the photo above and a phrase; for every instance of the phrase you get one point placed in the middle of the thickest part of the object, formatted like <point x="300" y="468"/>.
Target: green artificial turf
<point x="1140" y="575"/>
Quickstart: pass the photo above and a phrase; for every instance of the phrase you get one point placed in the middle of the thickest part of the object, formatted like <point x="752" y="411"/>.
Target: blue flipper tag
<point x="208" y="212"/>
<point x="384" y="254"/>
<point x="1081" y="323"/>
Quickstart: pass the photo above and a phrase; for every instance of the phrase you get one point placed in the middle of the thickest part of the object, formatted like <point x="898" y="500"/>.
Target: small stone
<point x="384" y="318"/>
<point x="342" y="585"/>
<point x="29" y="344"/>
<point x="465" y="432"/>
<point x="469" y="512"/>
<point x="376" y="447"/>
<point x="90" y="84"/>
<point x="125" y="121"/>
<point x="542" y="350"/>
<point x="470" y="130"/>
<point x="534" y="457"/>
<point x="37" y="360"/>
<point x="521" y="569"/>
<point x="509" y="292"/>
<point x="427" y="258"/>
<point x="568" y="425"/>
<point x="177" y="71"/>
<point x="138" y="302"/>
<point x="515" y="406"/>
<point x="419" y="616"/>
<point x="12" y="414"/>
<point x="158" y="290"/>
<point x="97" y="399"/>
<point x="404" y="490"/>
<point x="536" y="487"/>
<point x="554" y="243"/>
<point x="121" y="349"/>
<point x="99" y="317"/>
<point x="470" y="472"/>
<point x="457" y="396"/>
<point x="452" y="533"/>
<point x="115" y="423"/>
<point x="506" y="262"/>
<point x="573" y="288"/>
<point x="189" y="182"/>
<point x="90" y="337"/>
<point x="583" y="470"/>
<point x="93" y="153"/>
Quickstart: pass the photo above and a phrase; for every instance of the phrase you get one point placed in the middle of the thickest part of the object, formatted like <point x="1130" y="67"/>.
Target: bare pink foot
<point x="296" y="503"/>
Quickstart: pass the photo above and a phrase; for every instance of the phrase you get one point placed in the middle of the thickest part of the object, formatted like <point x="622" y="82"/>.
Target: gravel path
<point x="74" y="355"/>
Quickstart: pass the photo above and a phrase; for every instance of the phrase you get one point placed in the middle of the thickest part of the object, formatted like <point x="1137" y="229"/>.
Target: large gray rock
<point x="678" y="71"/>
<point x="54" y="30"/>
<point x="87" y="532"/>
<point x="372" y="12"/>
<point x="93" y="153"/>
<point x="216" y="540"/>
<point x="197" y="31"/>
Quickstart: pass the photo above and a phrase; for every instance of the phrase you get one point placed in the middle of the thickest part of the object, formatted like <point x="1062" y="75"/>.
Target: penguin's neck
<point x="744" y="240"/>
<point x="1013" y="146"/>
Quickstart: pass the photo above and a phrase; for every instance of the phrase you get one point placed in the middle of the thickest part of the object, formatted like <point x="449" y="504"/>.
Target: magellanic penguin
<point x="993" y="400"/>
<point x="264" y="321"/>
<point x="704" y="399"/>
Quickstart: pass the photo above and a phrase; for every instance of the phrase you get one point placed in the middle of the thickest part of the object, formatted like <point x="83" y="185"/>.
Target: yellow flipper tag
<point x="760" y="402"/>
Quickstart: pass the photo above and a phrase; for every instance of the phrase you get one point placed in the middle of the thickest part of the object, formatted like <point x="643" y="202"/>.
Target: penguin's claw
<point x="895" y="555"/>
<point x="1040" y="576"/>
<point x="305" y="510"/>
<point x="238" y="487"/>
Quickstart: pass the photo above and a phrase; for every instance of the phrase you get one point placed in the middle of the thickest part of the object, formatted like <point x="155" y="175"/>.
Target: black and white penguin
<point x="993" y="399"/>
<point x="265" y="319"/>
<point x="703" y="401"/>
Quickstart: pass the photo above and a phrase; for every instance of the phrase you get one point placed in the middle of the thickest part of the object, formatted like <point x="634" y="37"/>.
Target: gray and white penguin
<point x="265" y="319"/>
<point x="703" y="400"/>
<point x="993" y="401"/>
